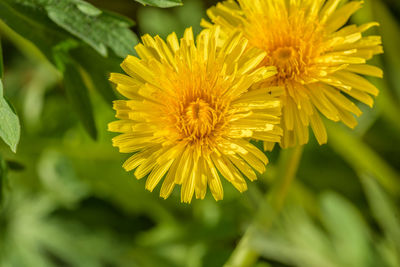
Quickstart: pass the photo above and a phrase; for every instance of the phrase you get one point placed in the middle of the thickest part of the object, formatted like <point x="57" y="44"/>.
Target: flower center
<point x="283" y="54"/>
<point x="200" y="119"/>
<point x="195" y="111"/>
<point x="292" y="43"/>
<point x="290" y="63"/>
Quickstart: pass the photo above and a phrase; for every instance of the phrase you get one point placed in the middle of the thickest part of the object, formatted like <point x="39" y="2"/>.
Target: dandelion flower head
<point x="189" y="114"/>
<point x="320" y="61"/>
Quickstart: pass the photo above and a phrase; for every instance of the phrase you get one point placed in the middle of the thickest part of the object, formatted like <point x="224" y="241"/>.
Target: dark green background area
<point x="66" y="201"/>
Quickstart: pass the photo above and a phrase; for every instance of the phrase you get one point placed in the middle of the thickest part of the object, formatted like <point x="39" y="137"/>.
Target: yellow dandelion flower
<point x="190" y="115"/>
<point x="319" y="59"/>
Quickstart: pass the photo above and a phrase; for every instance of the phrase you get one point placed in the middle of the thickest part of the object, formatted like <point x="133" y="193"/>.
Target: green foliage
<point x="9" y="128"/>
<point x="9" y="122"/>
<point x="348" y="230"/>
<point x="344" y="239"/>
<point x="53" y="27"/>
<point x="384" y="212"/>
<point x="161" y="3"/>
<point x="32" y="23"/>
<point x="79" y="97"/>
<point x="31" y="228"/>
<point x="97" y="68"/>
<point x="66" y="201"/>
<point x="100" y="29"/>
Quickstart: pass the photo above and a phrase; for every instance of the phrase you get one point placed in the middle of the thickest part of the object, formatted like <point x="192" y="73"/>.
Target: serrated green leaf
<point x="78" y="95"/>
<point x="100" y="31"/>
<point x="10" y="128"/>
<point x="161" y="3"/>
<point x="46" y="23"/>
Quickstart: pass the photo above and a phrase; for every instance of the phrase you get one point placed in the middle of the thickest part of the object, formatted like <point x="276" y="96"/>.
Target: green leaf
<point x="9" y="122"/>
<point x="348" y="230"/>
<point x="99" y="30"/>
<point x="47" y="23"/>
<point x="161" y="3"/>
<point x="87" y="8"/>
<point x="295" y="240"/>
<point x="383" y="209"/>
<point x="79" y="96"/>
<point x="10" y="128"/>
<point x="30" y="22"/>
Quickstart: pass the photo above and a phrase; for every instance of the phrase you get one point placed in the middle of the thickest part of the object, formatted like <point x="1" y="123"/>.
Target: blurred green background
<point x="66" y="201"/>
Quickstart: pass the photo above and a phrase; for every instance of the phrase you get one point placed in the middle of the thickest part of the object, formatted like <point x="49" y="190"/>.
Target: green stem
<point x="289" y="159"/>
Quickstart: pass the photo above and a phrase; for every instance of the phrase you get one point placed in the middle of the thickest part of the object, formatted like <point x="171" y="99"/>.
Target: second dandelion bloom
<point x="320" y="61"/>
<point x="189" y="115"/>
